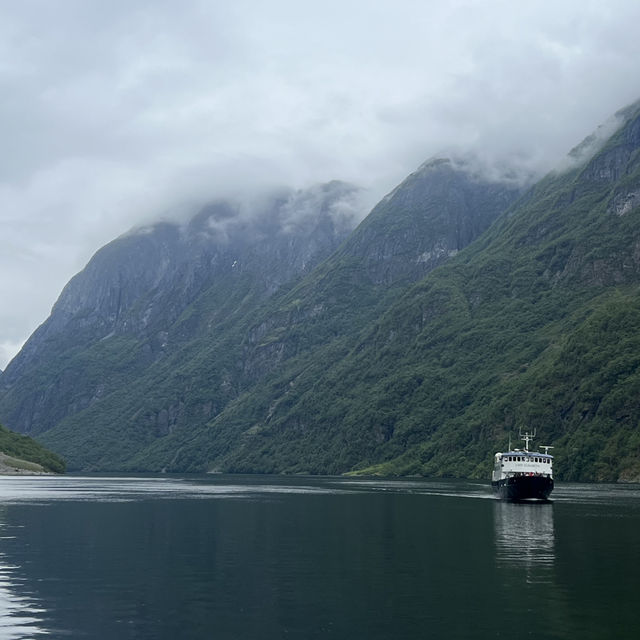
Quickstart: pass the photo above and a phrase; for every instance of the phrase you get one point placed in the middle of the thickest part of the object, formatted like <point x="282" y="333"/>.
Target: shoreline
<point x="11" y="466"/>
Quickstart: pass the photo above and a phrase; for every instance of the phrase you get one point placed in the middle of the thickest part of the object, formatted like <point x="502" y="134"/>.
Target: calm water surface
<point x="228" y="557"/>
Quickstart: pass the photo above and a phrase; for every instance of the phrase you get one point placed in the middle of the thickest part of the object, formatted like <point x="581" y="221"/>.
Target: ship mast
<point x="527" y="437"/>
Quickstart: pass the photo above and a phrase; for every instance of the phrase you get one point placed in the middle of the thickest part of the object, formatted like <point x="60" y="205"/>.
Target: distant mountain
<point x="429" y="217"/>
<point x="168" y="326"/>
<point x="533" y="325"/>
<point x="156" y="290"/>
<point x="300" y="333"/>
<point x="274" y="338"/>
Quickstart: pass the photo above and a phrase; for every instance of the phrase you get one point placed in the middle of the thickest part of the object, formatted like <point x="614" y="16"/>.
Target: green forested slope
<point x="407" y="351"/>
<point x="137" y="411"/>
<point x="135" y="345"/>
<point x="534" y="325"/>
<point x="21" y="449"/>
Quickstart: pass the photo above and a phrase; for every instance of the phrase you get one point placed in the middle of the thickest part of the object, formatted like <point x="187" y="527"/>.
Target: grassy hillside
<point x="21" y="450"/>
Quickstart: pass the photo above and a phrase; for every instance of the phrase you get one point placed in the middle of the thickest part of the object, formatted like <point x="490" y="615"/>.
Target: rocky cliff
<point x="533" y="325"/>
<point x="456" y="312"/>
<point x="170" y="324"/>
<point x="148" y="293"/>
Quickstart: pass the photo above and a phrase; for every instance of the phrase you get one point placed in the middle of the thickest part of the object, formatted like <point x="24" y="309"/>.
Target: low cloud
<point x="115" y="114"/>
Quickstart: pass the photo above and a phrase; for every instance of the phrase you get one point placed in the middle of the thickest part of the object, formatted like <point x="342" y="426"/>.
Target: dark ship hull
<point x="524" y="487"/>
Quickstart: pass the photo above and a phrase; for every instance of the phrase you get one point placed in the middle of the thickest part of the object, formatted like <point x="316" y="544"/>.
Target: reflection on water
<point x="426" y="487"/>
<point x="20" y="615"/>
<point x="44" y="489"/>
<point x="228" y="557"/>
<point x="524" y="538"/>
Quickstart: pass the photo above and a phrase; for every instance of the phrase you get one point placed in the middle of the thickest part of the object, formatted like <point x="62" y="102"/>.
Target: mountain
<point x="300" y="333"/>
<point x="160" y="289"/>
<point x="168" y="326"/>
<point x="534" y="324"/>
<point x="274" y="339"/>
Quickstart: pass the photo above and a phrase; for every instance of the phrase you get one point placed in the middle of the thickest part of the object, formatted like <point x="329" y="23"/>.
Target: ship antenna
<point x="509" y="449"/>
<point x="527" y="437"/>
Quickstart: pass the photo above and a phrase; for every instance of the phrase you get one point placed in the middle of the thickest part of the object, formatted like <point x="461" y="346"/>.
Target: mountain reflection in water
<point x="19" y="612"/>
<point x="310" y="558"/>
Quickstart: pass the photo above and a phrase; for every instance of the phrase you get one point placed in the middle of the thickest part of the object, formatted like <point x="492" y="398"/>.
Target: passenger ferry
<point x="520" y="474"/>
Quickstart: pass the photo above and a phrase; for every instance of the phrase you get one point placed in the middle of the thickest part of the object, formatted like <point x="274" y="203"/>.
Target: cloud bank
<point x="115" y="113"/>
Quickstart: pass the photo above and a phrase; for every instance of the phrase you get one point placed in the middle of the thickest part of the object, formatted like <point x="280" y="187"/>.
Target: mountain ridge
<point x="550" y="297"/>
<point x="139" y="285"/>
<point x="458" y="310"/>
<point x="243" y="349"/>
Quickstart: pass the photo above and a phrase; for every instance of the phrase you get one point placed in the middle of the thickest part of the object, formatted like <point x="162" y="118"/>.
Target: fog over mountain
<point x="117" y="114"/>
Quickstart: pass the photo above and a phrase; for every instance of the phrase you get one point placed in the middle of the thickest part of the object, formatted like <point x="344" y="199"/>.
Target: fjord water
<point x="266" y="557"/>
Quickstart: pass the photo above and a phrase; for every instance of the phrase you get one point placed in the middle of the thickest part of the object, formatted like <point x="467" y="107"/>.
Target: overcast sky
<point x="112" y="113"/>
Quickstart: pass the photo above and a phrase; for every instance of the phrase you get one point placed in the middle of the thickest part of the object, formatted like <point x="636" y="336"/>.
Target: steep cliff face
<point x="271" y="347"/>
<point x="169" y="325"/>
<point x="146" y="294"/>
<point x="534" y="325"/>
<point x="433" y="214"/>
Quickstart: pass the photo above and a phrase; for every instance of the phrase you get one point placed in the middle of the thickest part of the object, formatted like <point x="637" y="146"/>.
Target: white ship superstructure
<point x="520" y="474"/>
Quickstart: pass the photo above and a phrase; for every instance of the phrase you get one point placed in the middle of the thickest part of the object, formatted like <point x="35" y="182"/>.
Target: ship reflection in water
<point x="524" y="538"/>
